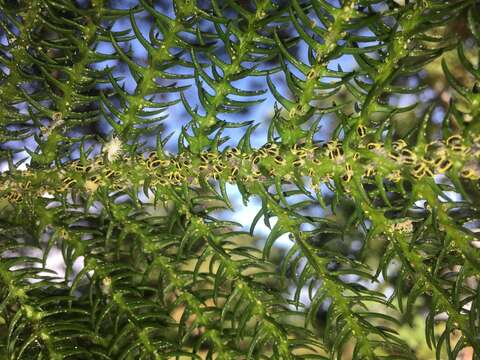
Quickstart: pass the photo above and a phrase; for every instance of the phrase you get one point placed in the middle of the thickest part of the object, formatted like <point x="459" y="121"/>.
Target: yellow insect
<point x="312" y="74"/>
<point x="299" y="151"/>
<point x="335" y="153"/>
<point x="98" y="162"/>
<point x="74" y="164"/>
<point x="118" y="186"/>
<point x="271" y="148"/>
<point x="95" y="179"/>
<point x="471" y="171"/>
<point x="110" y="174"/>
<point x="204" y="157"/>
<point x="184" y="161"/>
<point x="41" y="191"/>
<point x="298" y="162"/>
<point x="476" y="151"/>
<point x="460" y="148"/>
<point x="234" y="172"/>
<point x="467" y="173"/>
<point x="347" y="176"/>
<point x="454" y="139"/>
<point x="162" y="181"/>
<point x="256" y="159"/>
<point x="476" y="140"/>
<point x="328" y="177"/>
<point x="176" y="164"/>
<point x="229" y="154"/>
<point x="262" y="153"/>
<point x="235" y="151"/>
<point x="374" y="146"/>
<point x="395" y="156"/>
<point x="212" y="155"/>
<point x="395" y="176"/>
<point x="408" y="157"/>
<point x="256" y="173"/>
<point x="78" y="166"/>
<point x="67" y="184"/>
<point x="152" y="162"/>
<point x="302" y="154"/>
<point x="420" y="170"/>
<point x="92" y="184"/>
<point x="176" y="177"/>
<point x="361" y="130"/>
<point x="455" y="143"/>
<point x="165" y="162"/>
<point x="442" y="164"/>
<point x="26" y="185"/>
<point x="333" y="144"/>
<point x="14" y="197"/>
<point x="218" y="168"/>
<point x="369" y="171"/>
<point x="398" y="145"/>
<point x="279" y="160"/>
<point x="433" y="144"/>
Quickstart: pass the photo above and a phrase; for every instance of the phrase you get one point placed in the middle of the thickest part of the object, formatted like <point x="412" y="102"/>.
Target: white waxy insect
<point x="113" y="148"/>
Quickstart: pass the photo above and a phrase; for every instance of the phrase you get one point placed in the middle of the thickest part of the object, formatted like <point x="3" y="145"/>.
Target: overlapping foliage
<point x="152" y="271"/>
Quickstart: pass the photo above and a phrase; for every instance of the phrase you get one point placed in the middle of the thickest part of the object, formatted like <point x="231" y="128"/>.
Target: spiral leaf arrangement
<point x="369" y="192"/>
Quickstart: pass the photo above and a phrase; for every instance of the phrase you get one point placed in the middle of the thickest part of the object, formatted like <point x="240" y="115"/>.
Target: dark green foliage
<point x="388" y="197"/>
